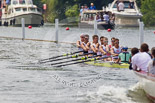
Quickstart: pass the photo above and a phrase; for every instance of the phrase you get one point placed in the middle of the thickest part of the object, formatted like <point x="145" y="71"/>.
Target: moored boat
<point x="87" y="19"/>
<point x="14" y="10"/>
<point x="148" y="83"/>
<point x="129" y="17"/>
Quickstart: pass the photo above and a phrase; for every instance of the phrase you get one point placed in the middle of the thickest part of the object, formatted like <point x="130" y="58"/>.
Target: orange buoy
<point x="67" y="28"/>
<point x="30" y="27"/>
<point x="109" y="30"/>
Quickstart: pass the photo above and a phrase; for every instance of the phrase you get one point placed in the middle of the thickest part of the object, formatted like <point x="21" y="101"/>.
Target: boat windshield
<point x="21" y="1"/>
<point x="29" y="2"/>
<point x="24" y="9"/>
<point x="15" y="2"/>
<point x="18" y="9"/>
<point x="126" y="4"/>
<point x="32" y="9"/>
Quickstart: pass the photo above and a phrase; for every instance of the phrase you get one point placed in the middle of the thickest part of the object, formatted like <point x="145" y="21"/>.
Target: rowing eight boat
<point x="108" y="64"/>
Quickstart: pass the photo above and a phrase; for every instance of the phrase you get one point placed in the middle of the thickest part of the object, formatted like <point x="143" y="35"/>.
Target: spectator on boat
<point x="86" y="8"/>
<point x="106" y="17"/>
<point x="112" y="43"/>
<point x="131" y="4"/>
<point x="133" y="52"/>
<point x="92" y="7"/>
<point x="125" y="56"/>
<point x="7" y="2"/>
<point x="81" y="10"/>
<point x="116" y="50"/>
<point x="121" y="6"/>
<point x="151" y="64"/>
<point x="112" y="19"/>
<point x="79" y="42"/>
<point x="98" y="18"/>
<point x="141" y="59"/>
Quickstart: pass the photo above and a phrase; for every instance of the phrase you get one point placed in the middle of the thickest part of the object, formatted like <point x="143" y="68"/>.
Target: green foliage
<point x="38" y="3"/>
<point x="148" y="8"/>
<point x="138" y="3"/>
<point x="73" y="11"/>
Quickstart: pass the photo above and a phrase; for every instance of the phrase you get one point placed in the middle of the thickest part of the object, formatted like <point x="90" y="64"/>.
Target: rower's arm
<point x="93" y="49"/>
<point x="118" y="60"/>
<point x="108" y="49"/>
<point x="78" y="44"/>
<point x="88" y="46"/>
<point x="112" y="52"/>
<point x="97" y="47"/>
<point x="83" y="47"/>
<point x="101" y="50"/>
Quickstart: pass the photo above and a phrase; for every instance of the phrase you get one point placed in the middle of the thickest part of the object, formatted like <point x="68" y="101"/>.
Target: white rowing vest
<point x="117" y="50"/>
<point x="80" y="49"/>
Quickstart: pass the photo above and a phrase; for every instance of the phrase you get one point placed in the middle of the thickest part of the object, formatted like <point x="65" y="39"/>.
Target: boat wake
<point x="137" y="94"/>
<point x="110" y="94"/>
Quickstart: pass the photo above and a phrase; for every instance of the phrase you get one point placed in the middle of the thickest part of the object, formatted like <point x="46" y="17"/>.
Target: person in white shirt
<point x="121" y="6"/>
<point x="151" y="64"/>
<point x="106" y="17"/>
<point x="141" y="59"/>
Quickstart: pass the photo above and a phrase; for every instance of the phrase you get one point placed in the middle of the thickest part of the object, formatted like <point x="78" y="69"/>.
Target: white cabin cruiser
<point x="127" y="17"/>
<point x="12" y="11"/>
<point x="88" y="16"/>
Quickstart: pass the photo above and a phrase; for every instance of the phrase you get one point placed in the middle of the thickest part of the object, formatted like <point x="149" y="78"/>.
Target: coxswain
<point x="124" y="57"/>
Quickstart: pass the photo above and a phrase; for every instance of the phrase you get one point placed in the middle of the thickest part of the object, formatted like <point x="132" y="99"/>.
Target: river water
<point x="24" y="80"/>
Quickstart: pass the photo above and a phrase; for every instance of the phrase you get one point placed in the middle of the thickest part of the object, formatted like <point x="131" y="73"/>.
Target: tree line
<point x="62" y="9"/>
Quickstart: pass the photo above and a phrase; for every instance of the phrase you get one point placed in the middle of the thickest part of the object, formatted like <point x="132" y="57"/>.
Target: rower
<point x="93" y="46"/>
<point x="102" y="42"/>
<point x="79" y="42"/>
<point x="125" y="56"/>
<point x="83" y="44"/>
<point x="112" y="43"/>
<point x="116" y="50"/>
<point x="104" y="48"/>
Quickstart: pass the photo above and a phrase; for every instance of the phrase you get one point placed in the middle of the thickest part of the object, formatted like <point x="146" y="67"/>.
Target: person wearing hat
<point x="92" y="7"/>
<point x="124" y="57"/>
